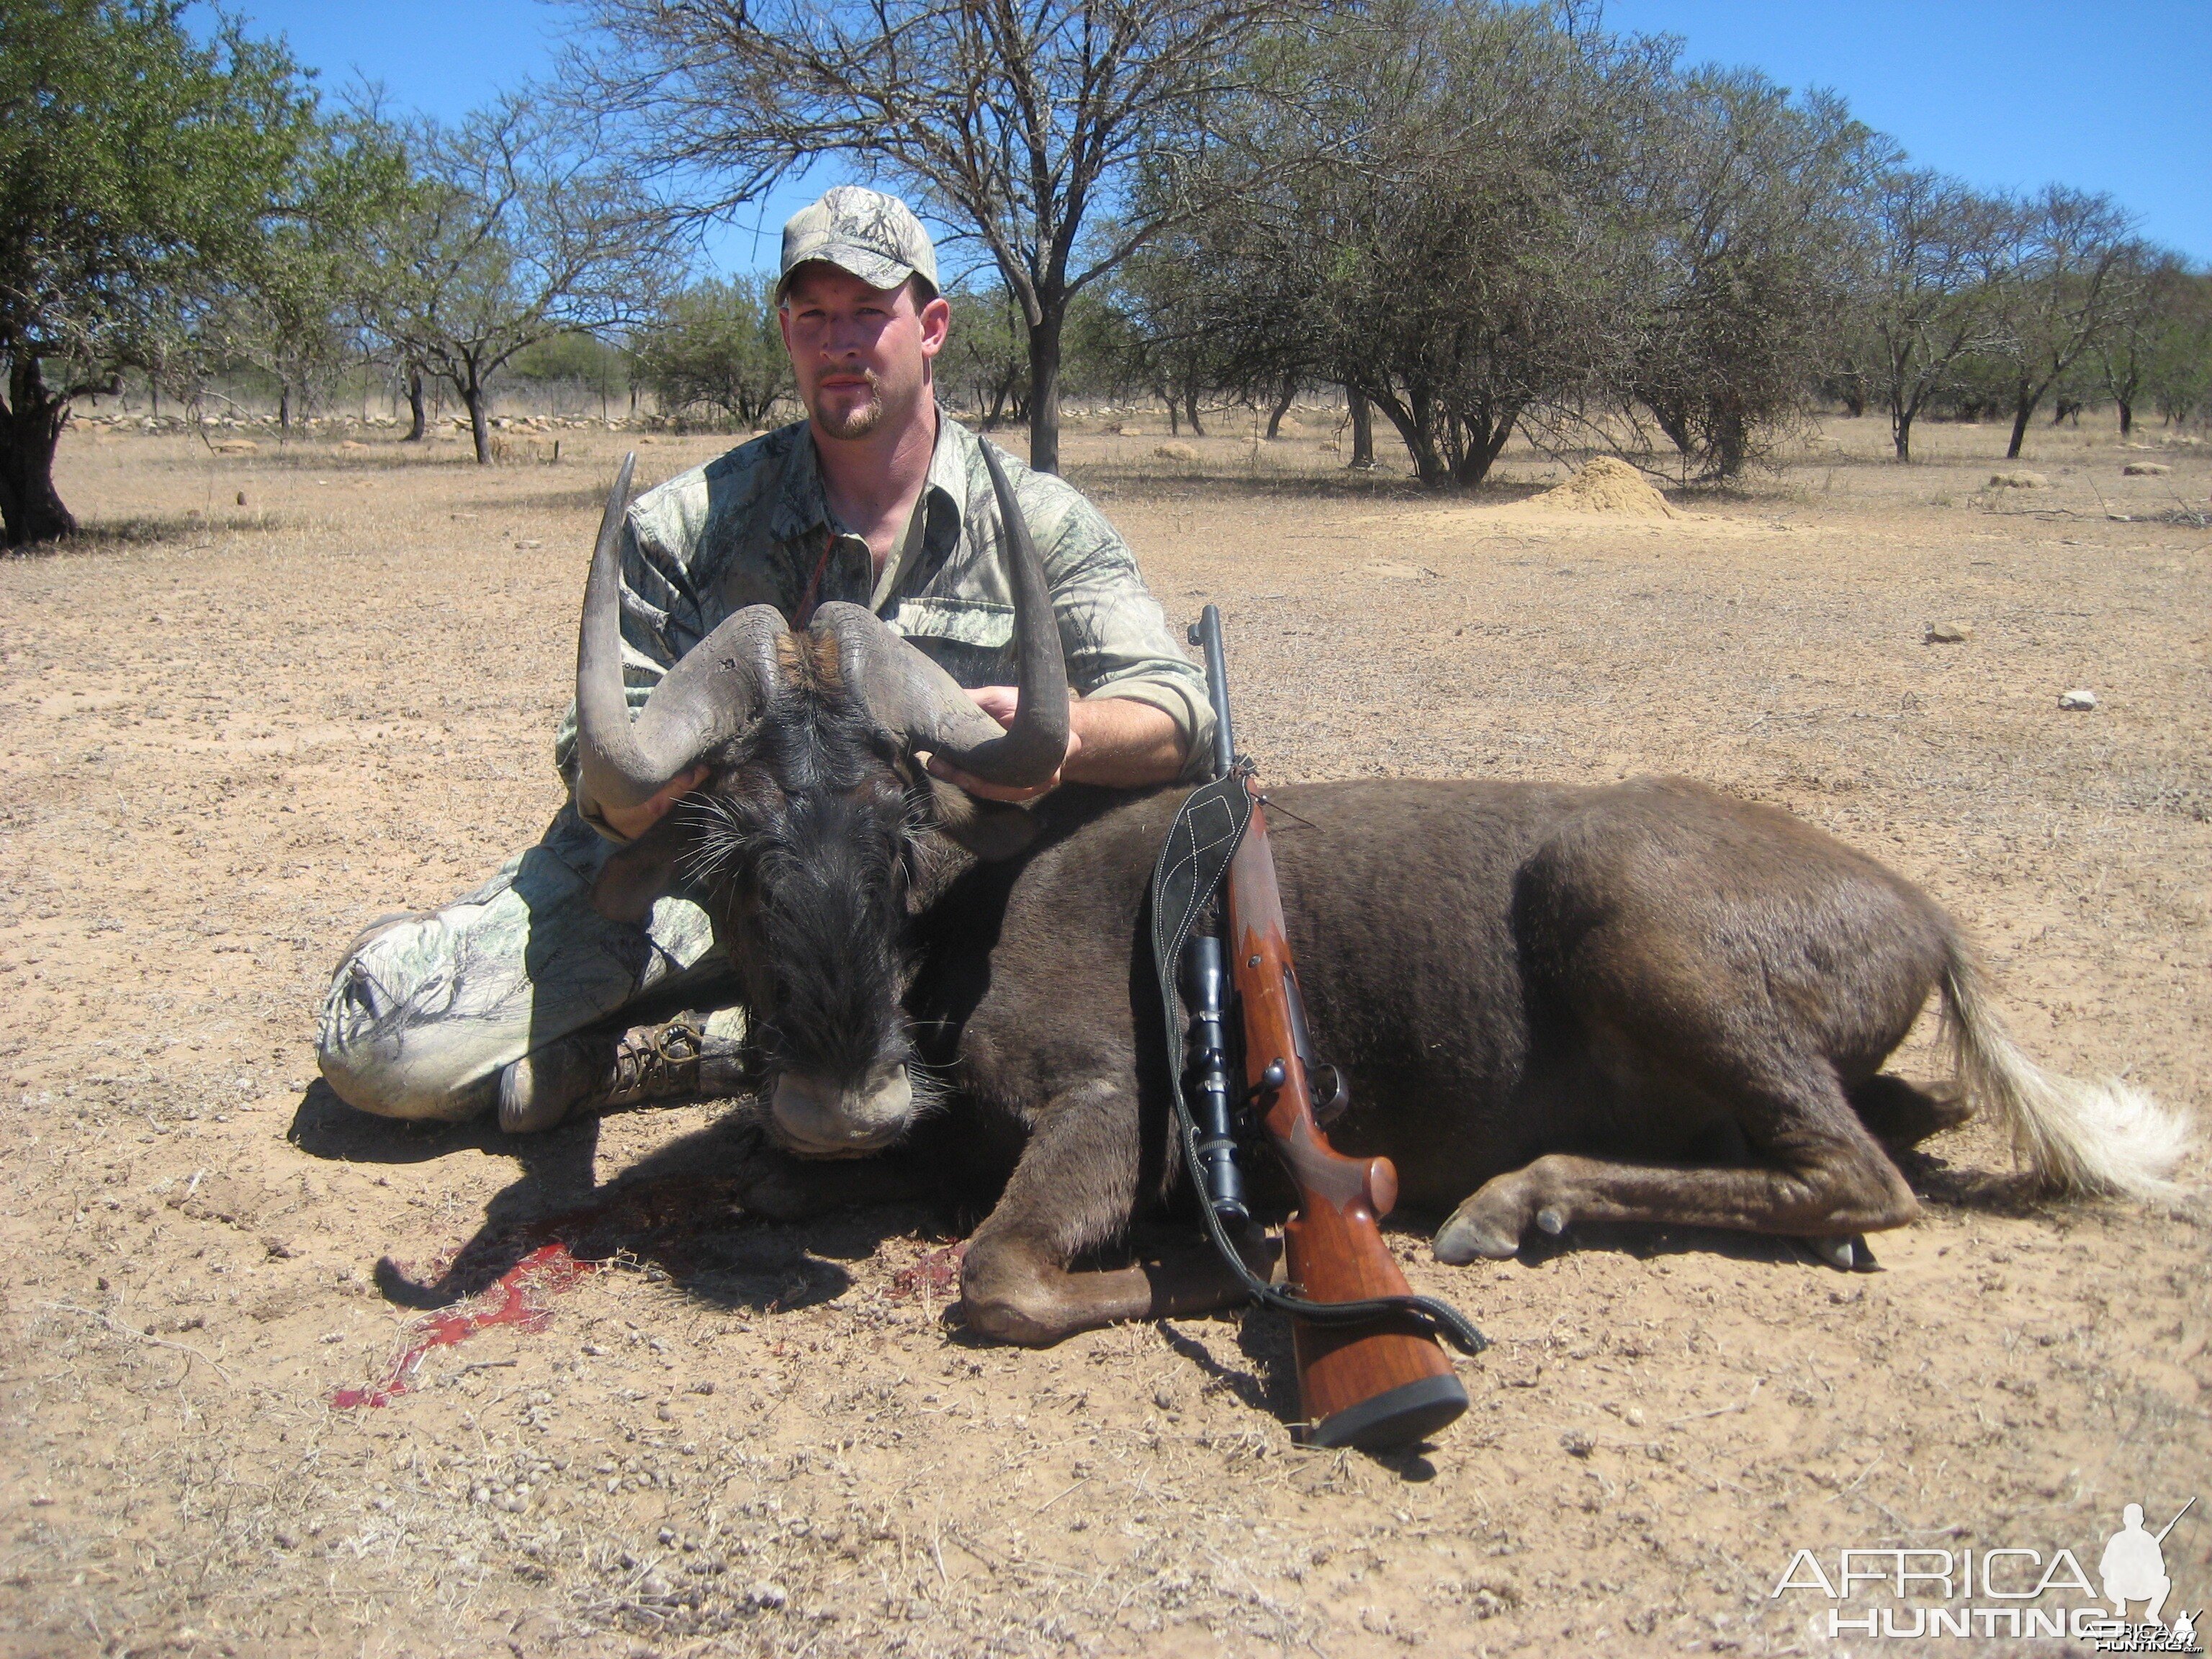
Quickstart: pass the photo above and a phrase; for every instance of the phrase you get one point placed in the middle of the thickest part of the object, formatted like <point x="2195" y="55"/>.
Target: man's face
<point x="861" y="354"/>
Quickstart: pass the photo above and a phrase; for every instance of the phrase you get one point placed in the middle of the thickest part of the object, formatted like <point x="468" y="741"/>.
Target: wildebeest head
<point x="805" y="840"/>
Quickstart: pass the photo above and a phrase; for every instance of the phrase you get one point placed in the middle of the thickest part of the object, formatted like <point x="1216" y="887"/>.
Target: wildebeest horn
<point x="914" y="698"/>
<point x="708" y="697"/>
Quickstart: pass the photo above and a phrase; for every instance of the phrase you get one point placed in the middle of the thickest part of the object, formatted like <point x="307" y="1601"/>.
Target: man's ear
<point x="634" y="875"/>
<point x="992" y="830"/>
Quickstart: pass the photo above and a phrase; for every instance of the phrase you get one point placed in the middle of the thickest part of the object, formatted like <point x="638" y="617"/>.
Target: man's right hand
<point x="631" y="821"/>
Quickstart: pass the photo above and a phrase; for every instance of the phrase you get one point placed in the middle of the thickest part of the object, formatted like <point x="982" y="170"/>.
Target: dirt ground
<point x="279" y="693"/>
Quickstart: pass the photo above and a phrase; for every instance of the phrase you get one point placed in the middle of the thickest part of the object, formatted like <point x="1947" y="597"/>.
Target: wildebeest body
<point x="1502" y="969"/>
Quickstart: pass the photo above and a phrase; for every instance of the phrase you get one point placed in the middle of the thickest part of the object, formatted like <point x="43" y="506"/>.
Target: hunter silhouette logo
<point x="2006" y="1592"/>
<point x="2134" y="1565"/>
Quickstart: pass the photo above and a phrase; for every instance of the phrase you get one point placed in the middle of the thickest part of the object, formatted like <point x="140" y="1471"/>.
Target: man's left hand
<point x="1000" y="701"/>
<point x="1116" y="741"/>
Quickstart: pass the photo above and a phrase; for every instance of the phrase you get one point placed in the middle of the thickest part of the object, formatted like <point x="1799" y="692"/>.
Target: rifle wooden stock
<point x="1381" y="1382"/>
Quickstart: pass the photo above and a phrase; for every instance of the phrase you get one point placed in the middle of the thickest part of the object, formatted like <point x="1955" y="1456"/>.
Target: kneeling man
<point x="519" y="996"/>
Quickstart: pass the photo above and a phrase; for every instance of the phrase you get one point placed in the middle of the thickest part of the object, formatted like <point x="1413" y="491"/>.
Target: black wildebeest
<point x="1648" y="1002"/>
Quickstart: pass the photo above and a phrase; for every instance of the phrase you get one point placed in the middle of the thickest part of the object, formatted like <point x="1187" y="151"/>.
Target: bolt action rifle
<point x="1370" y="1371"/>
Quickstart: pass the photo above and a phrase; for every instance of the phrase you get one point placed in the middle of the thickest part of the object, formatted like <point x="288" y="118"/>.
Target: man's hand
<point x="1000" y="701"/>
<point x="1116" y="741"/>
<point x="631" y="821"/>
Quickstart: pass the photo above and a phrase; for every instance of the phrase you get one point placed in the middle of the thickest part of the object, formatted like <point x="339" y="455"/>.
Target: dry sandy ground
<point x="235" y="732"/>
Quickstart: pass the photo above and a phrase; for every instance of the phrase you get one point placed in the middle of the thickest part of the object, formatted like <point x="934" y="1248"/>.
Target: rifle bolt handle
<point x="1275" y="1075"/>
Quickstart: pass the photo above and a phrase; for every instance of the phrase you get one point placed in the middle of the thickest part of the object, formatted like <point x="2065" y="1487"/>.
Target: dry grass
<point x="239" y="733"/>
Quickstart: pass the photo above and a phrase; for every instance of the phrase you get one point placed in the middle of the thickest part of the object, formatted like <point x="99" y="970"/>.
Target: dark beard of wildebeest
<point x="806" y="846"/>
<point x="1648" y="1002"/>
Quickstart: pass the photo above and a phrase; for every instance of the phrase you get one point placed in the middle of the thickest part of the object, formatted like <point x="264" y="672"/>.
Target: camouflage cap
<point x="874" y="236"/>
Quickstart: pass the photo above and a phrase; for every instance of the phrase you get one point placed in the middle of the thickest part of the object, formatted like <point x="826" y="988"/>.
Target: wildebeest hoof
<point x="1474" y="1233"/>
<point x="1836" y="1252"/>
<point x="1551" y="1219"/>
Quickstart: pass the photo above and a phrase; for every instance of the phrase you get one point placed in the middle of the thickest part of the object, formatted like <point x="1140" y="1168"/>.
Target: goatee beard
<point x="857" y="422"/>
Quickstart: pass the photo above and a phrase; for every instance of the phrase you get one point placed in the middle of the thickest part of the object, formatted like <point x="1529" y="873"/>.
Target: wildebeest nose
<point x="829" y="1120"/>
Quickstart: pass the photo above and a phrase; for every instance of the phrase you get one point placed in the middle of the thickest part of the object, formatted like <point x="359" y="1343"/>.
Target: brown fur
<point x="1554" y="1005"/>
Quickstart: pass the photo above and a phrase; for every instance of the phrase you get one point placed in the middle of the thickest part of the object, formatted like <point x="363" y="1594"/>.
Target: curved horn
<point x="916" y="699"/>
<point x="1030" y="750"/>
<point x="706" y="698"/>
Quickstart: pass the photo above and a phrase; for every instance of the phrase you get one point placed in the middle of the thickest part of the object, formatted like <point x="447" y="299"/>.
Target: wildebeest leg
<point x="1074" y="1190"/>
<point x="1822" y="1175"/>
<point x="1902" y="1115"/>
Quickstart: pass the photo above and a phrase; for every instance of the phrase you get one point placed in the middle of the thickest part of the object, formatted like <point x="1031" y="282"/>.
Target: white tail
<point x="2076" y="1136"/>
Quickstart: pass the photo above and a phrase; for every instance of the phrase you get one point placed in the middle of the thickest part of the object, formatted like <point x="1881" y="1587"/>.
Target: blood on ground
<point x="513" y="1298"/>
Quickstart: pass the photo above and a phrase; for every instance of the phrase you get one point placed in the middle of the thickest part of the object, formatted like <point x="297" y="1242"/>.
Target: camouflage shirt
<point x="750" y="527"/>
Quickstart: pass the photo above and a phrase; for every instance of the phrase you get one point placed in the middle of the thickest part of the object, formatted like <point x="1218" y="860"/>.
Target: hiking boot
<point x="591" y="1071"/>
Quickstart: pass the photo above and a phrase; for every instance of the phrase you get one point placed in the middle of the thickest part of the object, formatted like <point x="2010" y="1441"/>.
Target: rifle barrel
<point x="2176" y="1522"/>
<point x="1216" y="686"/>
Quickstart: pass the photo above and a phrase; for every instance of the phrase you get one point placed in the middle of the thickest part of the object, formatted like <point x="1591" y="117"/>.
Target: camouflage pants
<point x="426" y="1010"/>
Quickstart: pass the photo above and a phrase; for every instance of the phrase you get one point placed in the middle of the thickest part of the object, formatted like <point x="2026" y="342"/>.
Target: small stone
<point x="1944" y="633"/>
<point x="2145" y="469"/>
<point x="1175" y="452"/>
<point x="2018" y="481"/>
<point x="241" y="498"/>
<point x="768" y="1595"/>
<point x="2081" y="699"/>
<point x="1633" y="1417"/>
<point x="1577" y="1444"/>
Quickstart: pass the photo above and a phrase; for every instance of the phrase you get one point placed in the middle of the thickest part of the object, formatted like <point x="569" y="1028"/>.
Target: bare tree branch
<point x="1021" y="120"/>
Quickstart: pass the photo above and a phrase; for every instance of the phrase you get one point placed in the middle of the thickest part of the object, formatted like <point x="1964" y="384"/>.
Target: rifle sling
<point x="1201" y="842"/>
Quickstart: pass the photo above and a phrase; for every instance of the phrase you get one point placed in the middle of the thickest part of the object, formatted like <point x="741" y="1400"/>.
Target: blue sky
<point x="2115" y="97"/>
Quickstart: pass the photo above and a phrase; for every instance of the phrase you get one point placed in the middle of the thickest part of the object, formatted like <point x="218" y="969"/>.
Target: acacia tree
<point x="294" y="312"/>
<point x="2127" y="351"/>
<point x="1168" y="335"/>
<point x="715" y="343"/>
<point x="512" y="232"/>
<point x="1752" y="199"/>
<point x="1021" y="124"/>
<point x="2065" y="269"/>
<point x="1438" y="225"/>
<point x="140" y="174"/>
<point x="2178" y="376"/>
<point x="988" y="352"/>
<point x="1927" y="298"/>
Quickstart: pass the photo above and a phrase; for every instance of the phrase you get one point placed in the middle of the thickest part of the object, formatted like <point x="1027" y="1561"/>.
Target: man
<point x="513" y="997"/>
<point x="2134" y="1567"/>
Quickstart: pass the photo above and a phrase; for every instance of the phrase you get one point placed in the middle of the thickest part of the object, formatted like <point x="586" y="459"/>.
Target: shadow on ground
<point x="689" y="1213"/>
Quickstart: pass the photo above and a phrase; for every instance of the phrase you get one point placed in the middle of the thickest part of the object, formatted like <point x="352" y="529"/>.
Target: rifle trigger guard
<point x="1332" y="1104"/>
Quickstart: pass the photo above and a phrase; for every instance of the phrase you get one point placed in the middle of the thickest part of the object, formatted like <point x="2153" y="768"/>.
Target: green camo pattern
<point x="749" y="528"/>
